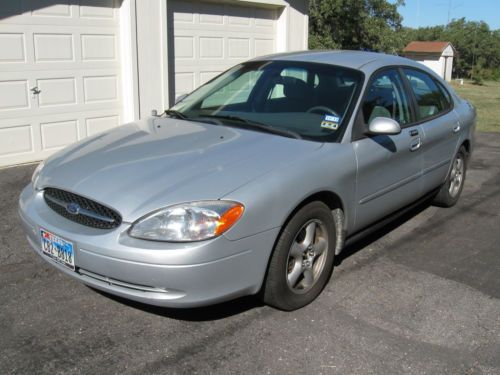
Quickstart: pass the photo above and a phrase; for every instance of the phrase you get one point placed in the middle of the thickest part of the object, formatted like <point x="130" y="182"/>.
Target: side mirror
<point x="383" y="125"/>
<point x="178" y="98"/>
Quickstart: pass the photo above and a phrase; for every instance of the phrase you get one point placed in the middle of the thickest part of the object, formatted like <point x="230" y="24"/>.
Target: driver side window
<point x="386" y="97"/>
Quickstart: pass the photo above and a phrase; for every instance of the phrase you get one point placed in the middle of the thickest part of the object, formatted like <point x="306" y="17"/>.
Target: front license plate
<point x="58" y="249"/>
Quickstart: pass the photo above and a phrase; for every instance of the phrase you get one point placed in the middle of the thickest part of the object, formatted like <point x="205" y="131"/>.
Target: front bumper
<point x="163" y="274"/>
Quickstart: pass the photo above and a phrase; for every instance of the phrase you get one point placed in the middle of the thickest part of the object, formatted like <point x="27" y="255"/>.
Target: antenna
<point x="418" y="14"/>
<point x="451" y="8"/>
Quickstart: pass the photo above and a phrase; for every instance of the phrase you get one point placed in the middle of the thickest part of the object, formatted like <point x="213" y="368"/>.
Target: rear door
<point x="389" y="166"/>
<point x="440" y="124"/>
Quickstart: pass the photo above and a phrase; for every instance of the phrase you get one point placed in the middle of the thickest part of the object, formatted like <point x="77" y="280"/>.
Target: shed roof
<point x="427" y="47"/>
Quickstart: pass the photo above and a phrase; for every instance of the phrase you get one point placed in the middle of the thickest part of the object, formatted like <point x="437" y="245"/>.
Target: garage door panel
<point x="184" y="47"/>
<point x="62" y="68"/>
<point x="264" y="46"/>
<point x="38" y="12"/>
<point x="16" y="140"/>
<point x="211" y="47"/>
<point x="46" y="8"/>
<point x="100" y="88"/>
<point x="23" y="141"/>
<point x="14" y="95"/>
<point x="68" y="51"/>
<point x="53" y="47"/>
<point x="98" y="47"/>
<point x="238" y="48"/>
<point x="97" y="9"/>
<point x="58" y="134"/>
<point x="235" y="18"/>
<point x="182" y="12"/>
<point x="265" y="18"/>
<point x="56" y="91"/>
<point x="12" y="48"/>
<point x="209" y="13"/>
<point x="213" y="30"/>
<point x="45" y="48"/>
<point x="210" y="38"/>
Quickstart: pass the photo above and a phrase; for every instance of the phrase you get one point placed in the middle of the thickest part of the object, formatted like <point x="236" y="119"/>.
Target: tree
<point x="478" y="48"/>
<point x="376" y="25"/>
<point x="355" y="24"/>
<point x="477" y="72"/>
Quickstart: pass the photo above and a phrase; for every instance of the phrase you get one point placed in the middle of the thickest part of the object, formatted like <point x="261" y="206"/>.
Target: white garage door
<point x="59" y="75"/>
<point x="210" y="38"/>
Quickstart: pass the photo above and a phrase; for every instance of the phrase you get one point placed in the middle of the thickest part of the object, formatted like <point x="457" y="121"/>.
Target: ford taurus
<point x="252" y="183"/>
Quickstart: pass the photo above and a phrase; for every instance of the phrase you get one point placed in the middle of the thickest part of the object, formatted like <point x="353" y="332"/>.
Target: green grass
<point x="486" y="99"/>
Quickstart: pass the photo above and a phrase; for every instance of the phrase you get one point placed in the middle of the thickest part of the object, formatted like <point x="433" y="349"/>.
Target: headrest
<point x="295" y="88"/>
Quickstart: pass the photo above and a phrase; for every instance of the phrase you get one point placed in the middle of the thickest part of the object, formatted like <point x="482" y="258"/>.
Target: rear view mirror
<point x="384" y="125"/>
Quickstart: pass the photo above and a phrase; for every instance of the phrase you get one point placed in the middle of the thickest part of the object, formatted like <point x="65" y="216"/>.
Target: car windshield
<point x="299" y="99"/>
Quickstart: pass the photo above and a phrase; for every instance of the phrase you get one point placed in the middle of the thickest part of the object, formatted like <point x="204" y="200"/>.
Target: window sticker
<point x="330" y="122"/>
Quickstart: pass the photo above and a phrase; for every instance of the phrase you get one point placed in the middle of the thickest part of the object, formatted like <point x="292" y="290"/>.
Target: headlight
<point x="36" y="173"/>
<point x="188" y="222"/>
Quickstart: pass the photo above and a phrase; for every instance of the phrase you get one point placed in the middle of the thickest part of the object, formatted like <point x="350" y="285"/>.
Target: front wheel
<point x="452" y="188"/>
<point x="302" y="260"/>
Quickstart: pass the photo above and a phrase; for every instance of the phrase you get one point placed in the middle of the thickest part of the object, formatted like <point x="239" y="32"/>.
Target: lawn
<point x="486" y="99"/>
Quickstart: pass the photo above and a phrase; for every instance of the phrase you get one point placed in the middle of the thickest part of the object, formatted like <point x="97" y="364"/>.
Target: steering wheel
<point x="321" y="109"/>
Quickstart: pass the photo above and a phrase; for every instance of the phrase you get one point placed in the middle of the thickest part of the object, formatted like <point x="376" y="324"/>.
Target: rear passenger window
<point x="431" y="98"/>
<point x="446" y="95"/>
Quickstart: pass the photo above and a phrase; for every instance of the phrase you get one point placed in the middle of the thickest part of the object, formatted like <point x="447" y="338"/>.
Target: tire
<point x="302" y="260"/>
<point x="452" y="188"/>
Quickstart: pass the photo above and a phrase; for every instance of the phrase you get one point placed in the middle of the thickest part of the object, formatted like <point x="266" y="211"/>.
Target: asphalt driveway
<point x="422" y="296"/>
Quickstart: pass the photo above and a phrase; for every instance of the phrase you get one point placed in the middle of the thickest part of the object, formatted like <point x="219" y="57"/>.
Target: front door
<point x="389" y="166"/>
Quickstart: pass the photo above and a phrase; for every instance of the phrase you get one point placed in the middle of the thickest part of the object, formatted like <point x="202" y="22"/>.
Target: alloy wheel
<point x="306" y="257"/>
<point x="456" y="176"/>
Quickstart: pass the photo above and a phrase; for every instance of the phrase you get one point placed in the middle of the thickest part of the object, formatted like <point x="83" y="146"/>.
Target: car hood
<point x="140" y="167"/>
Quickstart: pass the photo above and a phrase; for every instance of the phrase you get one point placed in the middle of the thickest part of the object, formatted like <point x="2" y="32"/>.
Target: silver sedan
<point x="253" y="182"/>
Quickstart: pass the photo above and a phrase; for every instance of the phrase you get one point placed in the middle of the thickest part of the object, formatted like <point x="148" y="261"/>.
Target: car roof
<point x="361" y="60"/>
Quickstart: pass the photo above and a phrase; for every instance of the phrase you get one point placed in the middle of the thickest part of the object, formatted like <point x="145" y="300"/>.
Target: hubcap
<point x="456" y="176"/>
<point x="307" y="256"/>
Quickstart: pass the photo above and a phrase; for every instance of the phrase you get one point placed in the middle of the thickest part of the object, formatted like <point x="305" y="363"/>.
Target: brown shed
<point x="436" y="55"/>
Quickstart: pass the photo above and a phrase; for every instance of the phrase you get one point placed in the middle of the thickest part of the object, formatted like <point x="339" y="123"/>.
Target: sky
<point x="421" y="13"/>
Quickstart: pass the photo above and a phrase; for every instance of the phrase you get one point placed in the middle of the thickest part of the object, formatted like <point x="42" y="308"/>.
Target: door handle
<point x="415" y="144"/>
<point x="456" y="128"/>
<point x="35" y="90"/>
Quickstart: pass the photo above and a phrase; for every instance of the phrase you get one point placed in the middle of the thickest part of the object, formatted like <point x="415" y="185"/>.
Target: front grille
<point x="81" y="210"/>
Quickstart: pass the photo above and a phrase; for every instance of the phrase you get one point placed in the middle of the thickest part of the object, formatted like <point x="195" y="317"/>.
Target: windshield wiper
<point x="176" y="114"/>
<point x="258" y="125"/>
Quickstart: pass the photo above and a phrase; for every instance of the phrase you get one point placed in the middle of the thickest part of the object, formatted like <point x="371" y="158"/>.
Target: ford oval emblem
<point x="73" y="208"/>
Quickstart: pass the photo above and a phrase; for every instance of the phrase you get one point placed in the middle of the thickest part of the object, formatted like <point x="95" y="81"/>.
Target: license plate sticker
<point x="58" y="249"/>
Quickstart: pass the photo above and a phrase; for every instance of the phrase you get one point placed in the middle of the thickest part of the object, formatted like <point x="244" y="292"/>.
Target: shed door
<point x="59" y="75"/>
<point x="210" y="38"/>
